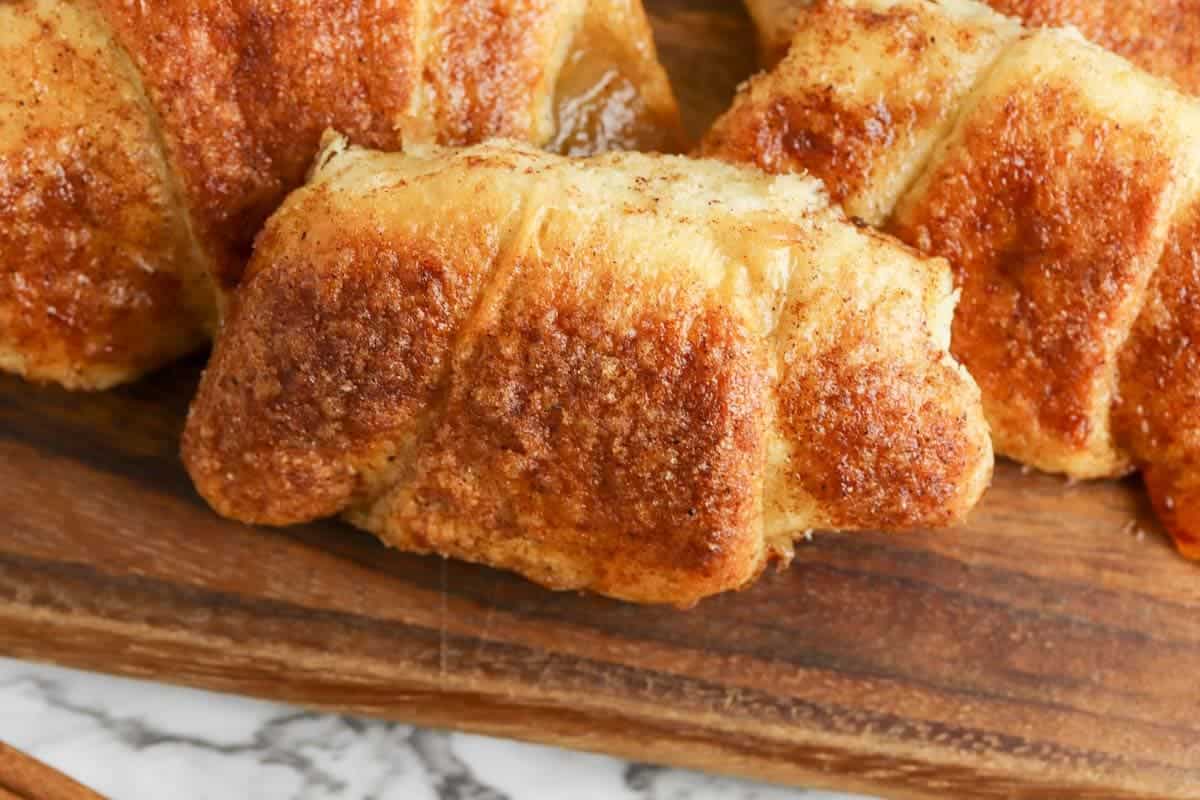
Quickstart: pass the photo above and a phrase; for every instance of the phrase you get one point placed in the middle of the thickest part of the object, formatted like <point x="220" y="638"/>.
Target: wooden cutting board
<point x="1050" y="649"/>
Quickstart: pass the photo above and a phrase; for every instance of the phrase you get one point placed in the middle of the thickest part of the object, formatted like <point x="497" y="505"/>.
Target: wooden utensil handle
<point x="26" y="778"/>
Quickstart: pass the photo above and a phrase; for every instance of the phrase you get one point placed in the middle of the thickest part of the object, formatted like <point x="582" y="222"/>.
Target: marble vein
<point x="132" y="740"/>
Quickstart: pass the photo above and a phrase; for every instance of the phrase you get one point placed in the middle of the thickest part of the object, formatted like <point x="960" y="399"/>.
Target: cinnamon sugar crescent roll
<point x="143" y="144"/>
<point x="642" y="376"/>
<point x="1062" y="184"/>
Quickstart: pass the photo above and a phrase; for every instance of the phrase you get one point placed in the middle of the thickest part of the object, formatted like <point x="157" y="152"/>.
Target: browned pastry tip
<point x="640" y="376"/>
<point x="1157" y="413"/>
<point x="1176" y="498"/>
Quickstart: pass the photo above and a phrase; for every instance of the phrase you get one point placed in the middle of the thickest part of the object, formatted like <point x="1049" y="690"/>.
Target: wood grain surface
<point x="1050" y="649"/>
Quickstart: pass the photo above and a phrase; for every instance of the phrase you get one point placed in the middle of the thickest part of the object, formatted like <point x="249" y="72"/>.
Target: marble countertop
<point x="131" y="740"/>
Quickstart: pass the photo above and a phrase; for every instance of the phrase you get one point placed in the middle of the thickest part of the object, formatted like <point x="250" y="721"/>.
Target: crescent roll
<point x="142" y="144"/>
<point x="1063" y="185"/>
<point x="641" y="376"/>
<point x="1160" y="36"/>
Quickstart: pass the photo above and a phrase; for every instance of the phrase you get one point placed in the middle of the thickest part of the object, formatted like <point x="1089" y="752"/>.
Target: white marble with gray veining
<point x="131" y="740"/>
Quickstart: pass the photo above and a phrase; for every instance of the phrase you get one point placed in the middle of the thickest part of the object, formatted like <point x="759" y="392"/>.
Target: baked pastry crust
<point x="142" y="145"/>
<point x="863" y="97"/>
<point x="637" y="375"/>
<point x="1160" y="36"/>
<point x="1063" y="190"/>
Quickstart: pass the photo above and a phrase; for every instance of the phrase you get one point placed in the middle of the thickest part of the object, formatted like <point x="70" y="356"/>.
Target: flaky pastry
<point x="638" y="375"/>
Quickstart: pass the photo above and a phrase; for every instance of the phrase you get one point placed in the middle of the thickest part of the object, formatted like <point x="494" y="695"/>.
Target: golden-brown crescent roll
<point x="1160" y="36"/>
<point x="637" y="375"/>
<point x="1062" y="183"/>
<point x="143" y="144"/>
